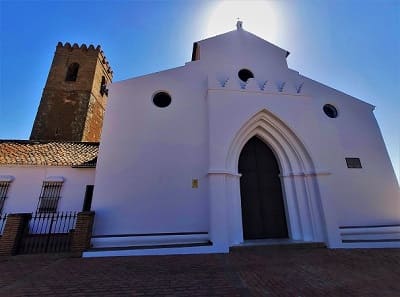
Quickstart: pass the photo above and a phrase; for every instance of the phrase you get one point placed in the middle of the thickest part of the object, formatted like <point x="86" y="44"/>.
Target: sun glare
<point x="259" y="17"/>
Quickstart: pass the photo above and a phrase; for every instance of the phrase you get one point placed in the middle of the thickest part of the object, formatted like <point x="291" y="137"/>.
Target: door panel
<point x="263" y="213"/>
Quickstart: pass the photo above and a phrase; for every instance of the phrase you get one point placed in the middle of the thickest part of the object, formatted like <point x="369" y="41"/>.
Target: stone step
<point x="158" y="246"/>
<point x="145" y="250"/>
<point x="265" y="244"/>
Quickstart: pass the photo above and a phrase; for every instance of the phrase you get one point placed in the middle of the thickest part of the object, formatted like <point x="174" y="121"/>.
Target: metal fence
<point x="48" y="233"/>
<point x="3" y="219"/>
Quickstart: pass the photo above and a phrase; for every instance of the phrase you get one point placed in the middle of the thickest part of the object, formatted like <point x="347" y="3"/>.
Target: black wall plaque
<point x="353" y="163"/>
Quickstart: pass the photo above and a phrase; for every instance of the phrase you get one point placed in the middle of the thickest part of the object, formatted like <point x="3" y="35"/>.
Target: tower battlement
<point x="84" y="48"/>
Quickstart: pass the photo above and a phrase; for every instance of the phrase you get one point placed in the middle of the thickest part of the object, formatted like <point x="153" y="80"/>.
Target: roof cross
<point x="239" y="24"/>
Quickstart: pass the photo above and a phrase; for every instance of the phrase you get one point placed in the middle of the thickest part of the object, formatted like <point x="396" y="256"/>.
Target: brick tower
<point x="75" y="95"/>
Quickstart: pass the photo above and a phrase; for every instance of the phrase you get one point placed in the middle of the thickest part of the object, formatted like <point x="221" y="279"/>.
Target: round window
<point x="330" y="110"/>
<point x="245" y="74"/>
<point x="162" y="99"/>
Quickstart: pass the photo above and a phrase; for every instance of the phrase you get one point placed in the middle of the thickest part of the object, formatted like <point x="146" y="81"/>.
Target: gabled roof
<point x="48" y="153"/>
<point x="236" y="33"/>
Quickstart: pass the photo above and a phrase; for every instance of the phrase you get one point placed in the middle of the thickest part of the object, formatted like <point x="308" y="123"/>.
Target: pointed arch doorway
<point x="263" y="210"/>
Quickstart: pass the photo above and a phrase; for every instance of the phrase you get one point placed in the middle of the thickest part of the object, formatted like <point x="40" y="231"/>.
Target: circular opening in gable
<point x="245" y="74"/>
<point x="330" y="111"/>
<point x="162" y="99"/>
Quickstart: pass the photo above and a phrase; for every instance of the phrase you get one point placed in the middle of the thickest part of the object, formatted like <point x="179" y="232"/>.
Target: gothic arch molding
<point x="298" y="177"/>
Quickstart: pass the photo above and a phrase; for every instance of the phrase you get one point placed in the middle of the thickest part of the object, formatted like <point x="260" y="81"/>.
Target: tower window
<point x="57" y="132"/>
<point x="72" y="72"/>
<point x="103" y="86"/>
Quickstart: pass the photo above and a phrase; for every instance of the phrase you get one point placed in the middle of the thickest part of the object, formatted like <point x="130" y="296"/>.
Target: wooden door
<point x="263" y="212"/>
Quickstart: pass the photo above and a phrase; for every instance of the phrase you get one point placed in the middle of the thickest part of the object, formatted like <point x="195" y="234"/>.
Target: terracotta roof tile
<point x="48" y="153"/>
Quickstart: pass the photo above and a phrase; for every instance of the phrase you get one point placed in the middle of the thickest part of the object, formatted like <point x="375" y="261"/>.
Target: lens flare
<point x="258" y="17"/>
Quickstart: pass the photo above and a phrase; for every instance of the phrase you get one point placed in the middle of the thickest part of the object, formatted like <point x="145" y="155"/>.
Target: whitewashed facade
<point x="26" y="182"/>
<point x="45" y="176"/>
<point x="170" y="175"/>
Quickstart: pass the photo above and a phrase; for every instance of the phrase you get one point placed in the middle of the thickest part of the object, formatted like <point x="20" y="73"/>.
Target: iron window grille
<point x="49" y="196"/>
<point x="4" y="185"/>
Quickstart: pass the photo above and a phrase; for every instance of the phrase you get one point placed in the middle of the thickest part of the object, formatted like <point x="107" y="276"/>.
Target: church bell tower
<point x="75" y="95"/>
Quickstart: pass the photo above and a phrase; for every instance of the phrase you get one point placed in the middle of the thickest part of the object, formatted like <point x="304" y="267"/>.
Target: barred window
<point x="4" y="185"/>
<point x="49" y="196"/>
<point x="5" y="181"/>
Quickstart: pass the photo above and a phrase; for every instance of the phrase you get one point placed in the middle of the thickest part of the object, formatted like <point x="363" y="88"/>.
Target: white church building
<point x="235" y="148"/>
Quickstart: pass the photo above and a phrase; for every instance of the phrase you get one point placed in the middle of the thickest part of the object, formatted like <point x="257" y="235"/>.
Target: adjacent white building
<point x="45" y="176"/>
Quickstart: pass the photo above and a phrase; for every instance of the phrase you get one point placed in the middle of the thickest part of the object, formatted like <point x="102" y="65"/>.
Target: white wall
<point x="149" y="155"/>
<point x="366" y="196"/>
<point x="24" y="191"/>
<point x="351" y="197"/>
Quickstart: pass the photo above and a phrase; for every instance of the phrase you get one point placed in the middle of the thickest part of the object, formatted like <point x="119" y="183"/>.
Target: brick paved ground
<point x="253" y="271"/>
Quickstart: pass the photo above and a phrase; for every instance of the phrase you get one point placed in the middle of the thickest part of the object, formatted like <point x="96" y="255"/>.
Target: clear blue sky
<point x="353" y="46"/>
